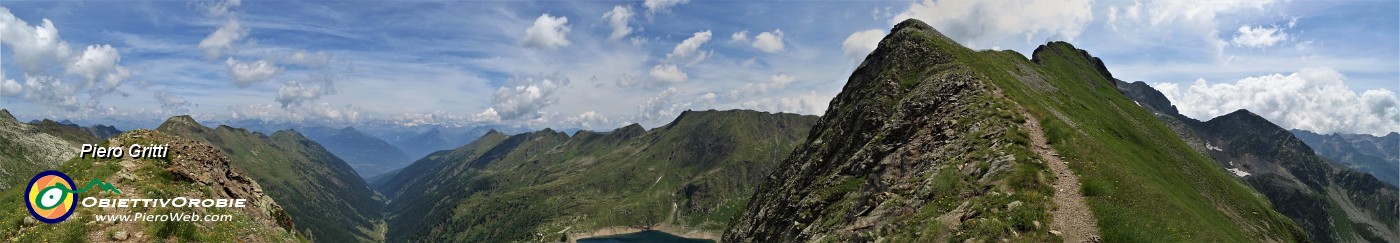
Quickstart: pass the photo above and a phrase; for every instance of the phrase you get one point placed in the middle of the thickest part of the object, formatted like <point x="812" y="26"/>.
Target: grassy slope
<point x="154" y="182"/>
<point x="1143" y="183"/>
<point x="325" y="197"/>
<point x="509" y="188"/>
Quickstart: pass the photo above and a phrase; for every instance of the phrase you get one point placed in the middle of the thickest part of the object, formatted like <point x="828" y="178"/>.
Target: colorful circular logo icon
<point x="48" y="197"/>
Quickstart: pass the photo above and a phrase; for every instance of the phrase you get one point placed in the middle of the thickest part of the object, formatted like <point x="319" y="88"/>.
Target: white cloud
<point x="40" y="52"/>
<point x="628" y="80"/>
<point x="309" y="59"/>
<point x="35" y="48"/>
<point x="222" y="8"/>
<point x="222" y="39"/>
<point x="245" y="74"/>
<point x="1187" y="18"/>
<point x="172" y="104"/>
<point x="8" y="87"/>
<point x="523" y="98"/>
<point x="1258" y="36"/>
<point x="808" y="103"/>
<point x="654" y="6"/>
<point x="548" y="32"/>
<point x="862" y="43"/>
<point x="990" y="23"/>
<point x="708" y="98"/>
<point x="1129" y="13"/>
<point x="1314" y="99"/>
<point x="589" y="120"/>
<point x="689" y="49"/>
<point x="741" y="36"/>
<point x="47" y="90"/>
<point x="310" y="89"/>
<point x="668" y="73"/>
<point x="488" y="115"/>
<point x="229" y="31"/>
<point x="320" y="113"/>
<point x="617" y="19"/>
<point x="662" y="106"/>
<point x="95" y="62"/>
<point x="769" y="42"/>
<point x="1163" y="12"/>
<point x="775" y="82"/>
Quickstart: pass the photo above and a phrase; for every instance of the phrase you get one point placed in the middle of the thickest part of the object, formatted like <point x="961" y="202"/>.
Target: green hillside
<point x="890" y="158"/>
<point x="324" y="196"/>
<point x="688" y="177"/>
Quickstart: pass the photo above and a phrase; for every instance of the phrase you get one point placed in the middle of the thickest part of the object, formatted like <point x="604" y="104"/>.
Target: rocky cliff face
<point x="26" y="150"/>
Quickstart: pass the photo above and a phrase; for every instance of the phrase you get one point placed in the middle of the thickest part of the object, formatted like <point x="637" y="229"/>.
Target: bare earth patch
<point x="1071" y="216"/>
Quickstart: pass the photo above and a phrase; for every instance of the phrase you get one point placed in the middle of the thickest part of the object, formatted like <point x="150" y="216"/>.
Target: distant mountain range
<point x="1378" y="156"/>
<point x="368" y="155"/>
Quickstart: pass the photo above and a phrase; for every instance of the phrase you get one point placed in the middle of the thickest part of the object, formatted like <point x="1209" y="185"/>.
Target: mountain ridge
<point x="323" y="194"/>
<point x="1130" y="167"/>
<point x="687" y="176"/>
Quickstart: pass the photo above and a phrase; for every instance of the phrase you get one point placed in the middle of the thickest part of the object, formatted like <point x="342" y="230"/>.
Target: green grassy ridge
<point x="1146" y="184"/>
<point x="1141" y="181"/>
<point x="505" y="188"/>
<point x="914" y="149"/>
<point x="324" y="196"/>
<point x="72" y="133"/>
<point x="154" y="182"/>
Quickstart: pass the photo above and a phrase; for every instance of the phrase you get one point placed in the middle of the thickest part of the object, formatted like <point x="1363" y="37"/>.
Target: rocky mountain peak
<point x="6" y="116"/>
<point x="898" y="121"/>
<point x="179" y="122"/>
<point x="1066" y="50"/>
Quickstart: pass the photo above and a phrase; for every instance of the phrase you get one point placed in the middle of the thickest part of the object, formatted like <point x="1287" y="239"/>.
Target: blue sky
<point x="1323" y="66"/>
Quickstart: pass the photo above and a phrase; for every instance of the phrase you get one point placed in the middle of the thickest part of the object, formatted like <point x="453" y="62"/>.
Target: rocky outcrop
<point x="206" y="166"/>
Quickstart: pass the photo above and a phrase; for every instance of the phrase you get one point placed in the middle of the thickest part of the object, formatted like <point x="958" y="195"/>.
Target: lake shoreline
<point x="669" y="229"/>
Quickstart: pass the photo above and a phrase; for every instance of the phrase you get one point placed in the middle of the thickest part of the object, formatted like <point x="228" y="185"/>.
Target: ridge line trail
<point x="1071" y="214"/>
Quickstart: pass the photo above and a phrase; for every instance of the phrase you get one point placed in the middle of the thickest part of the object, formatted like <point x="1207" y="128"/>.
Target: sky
<point x="1319" y="66"/>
